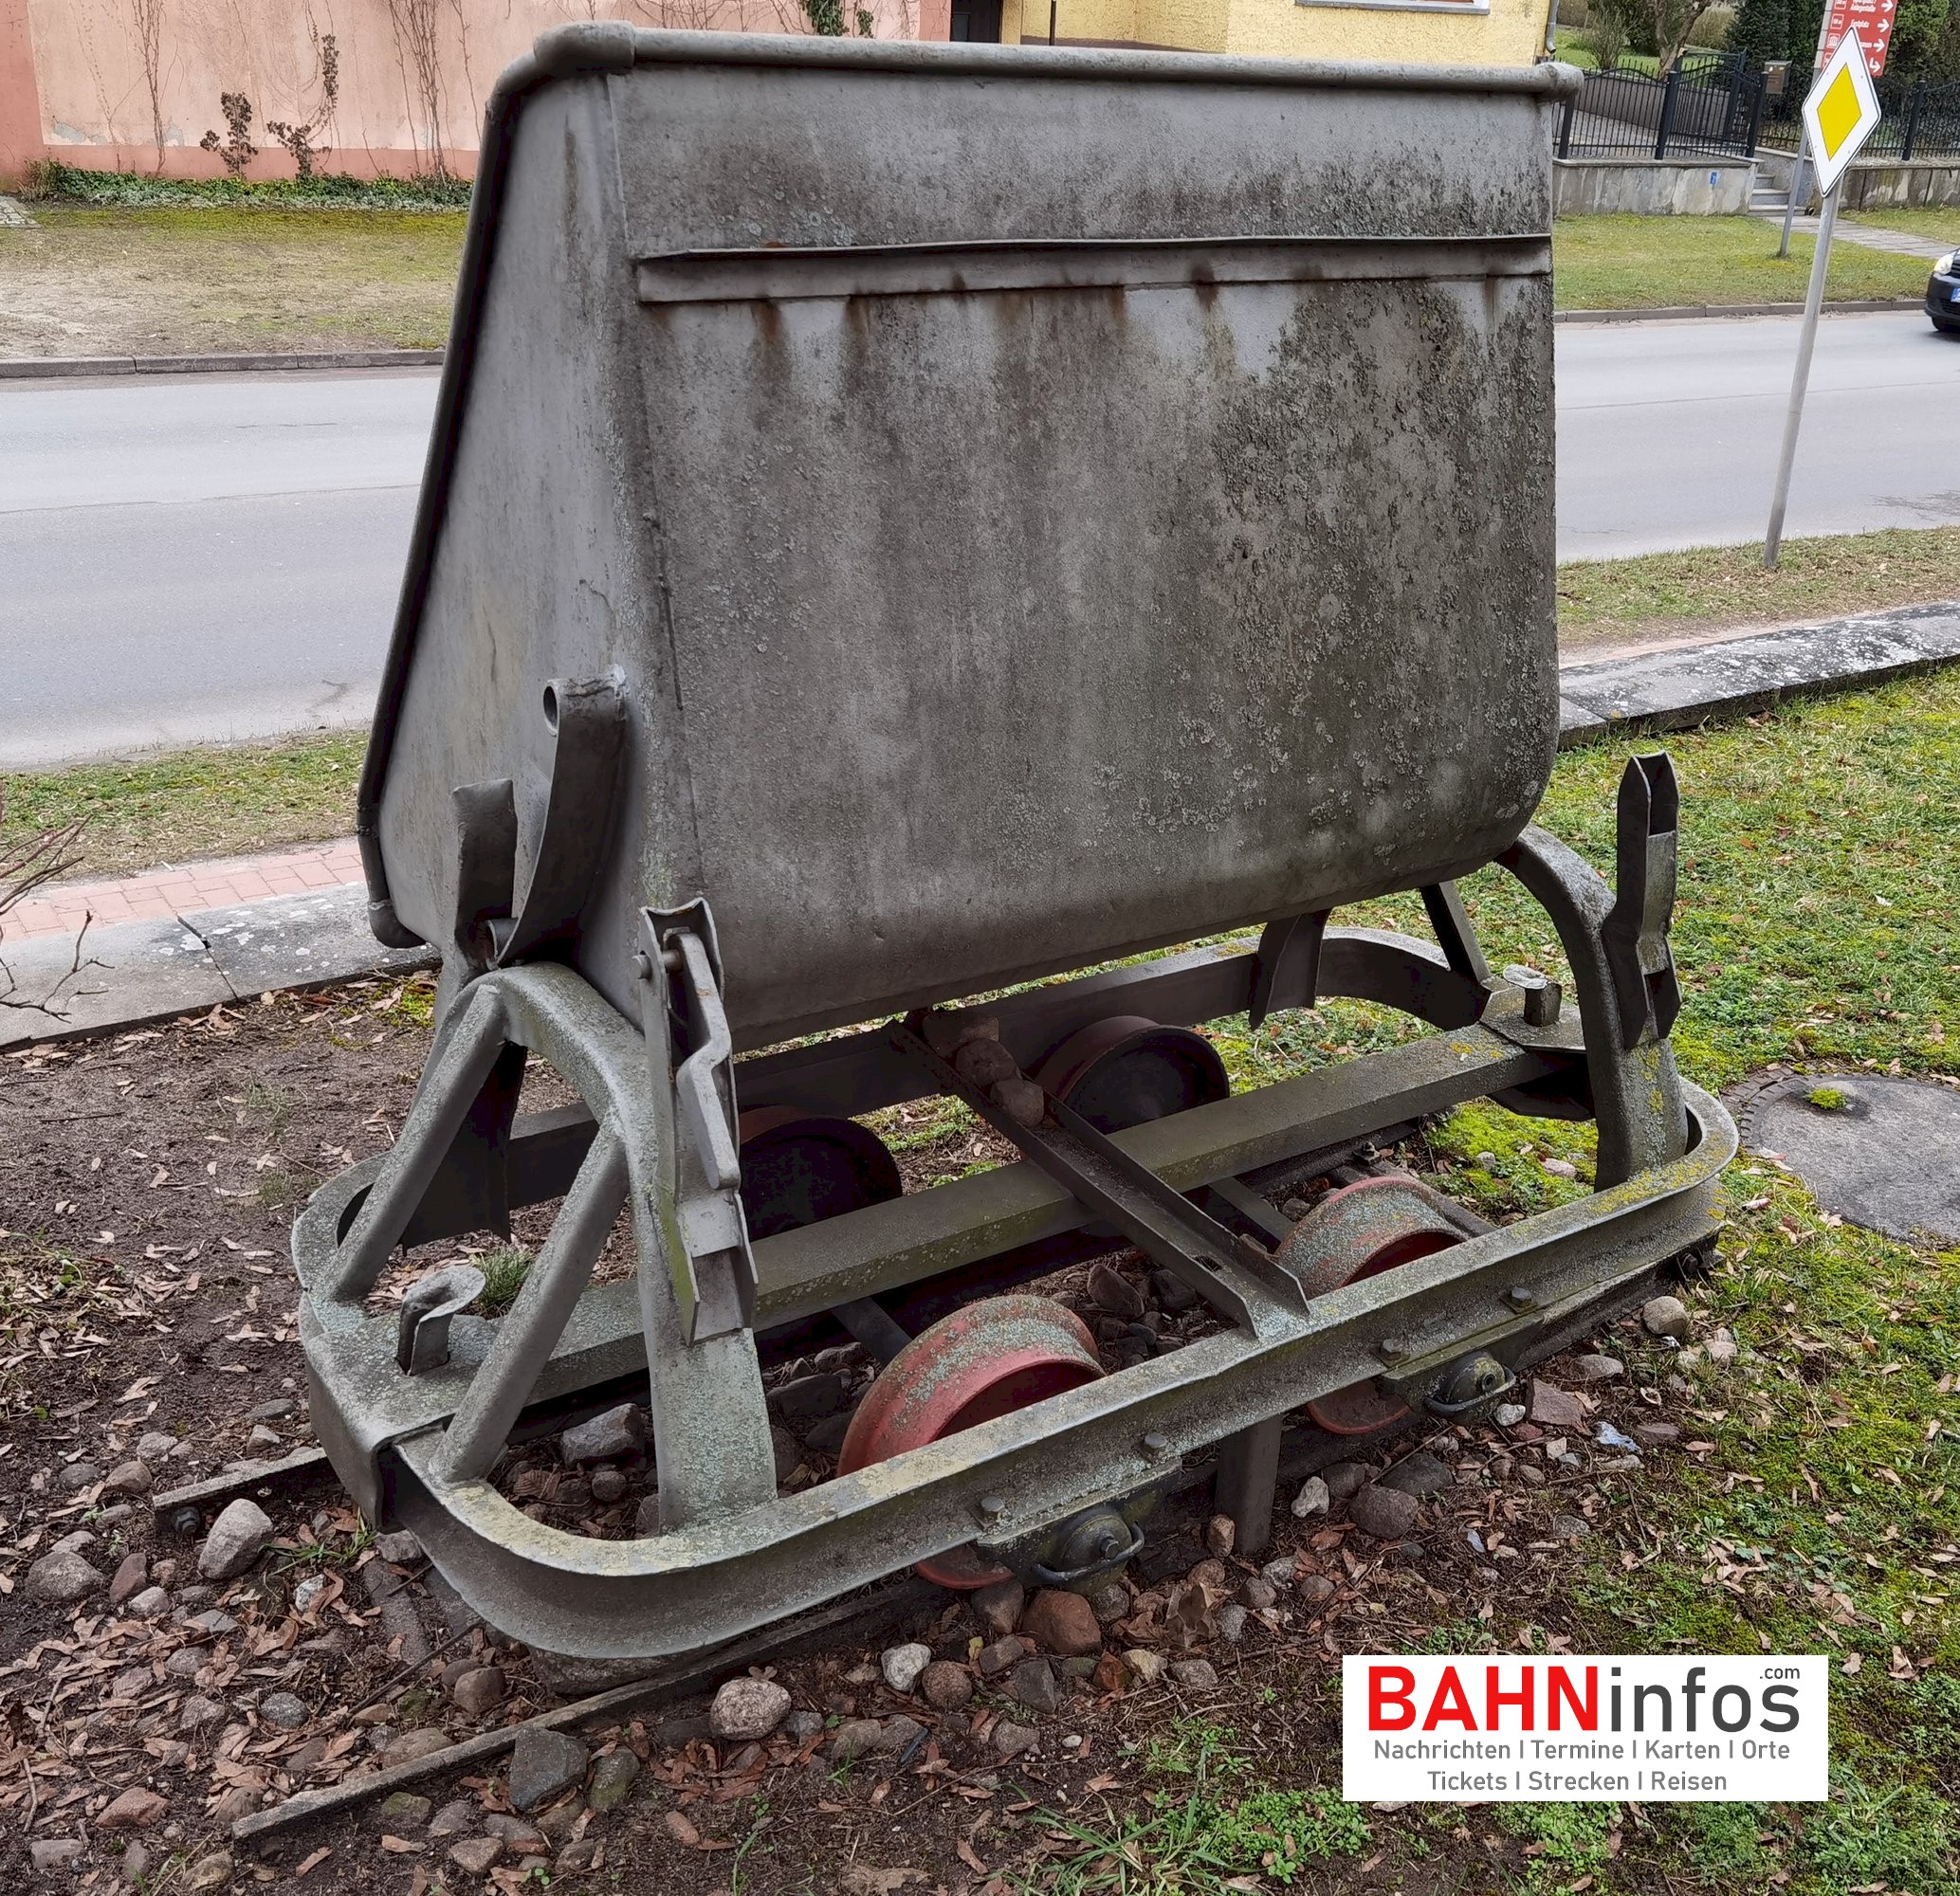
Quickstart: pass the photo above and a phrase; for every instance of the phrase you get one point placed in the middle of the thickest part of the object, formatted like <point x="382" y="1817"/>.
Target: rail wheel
<point x="799" y="1170"/>
<point x="1127" y="1069"/>
<point x="1361" y="1230"/>
<point x="995" y="1356"/>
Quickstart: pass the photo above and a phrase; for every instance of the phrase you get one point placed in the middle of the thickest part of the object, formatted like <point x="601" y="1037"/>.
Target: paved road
<point x="218" y="557"/>
<point x="1667" y="432"/>
<point x="199" y="560"/>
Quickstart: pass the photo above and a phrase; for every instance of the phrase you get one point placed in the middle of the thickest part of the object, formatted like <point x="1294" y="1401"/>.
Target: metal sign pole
<point x="1790" y="209"/>
<point x="1772" y="540"/>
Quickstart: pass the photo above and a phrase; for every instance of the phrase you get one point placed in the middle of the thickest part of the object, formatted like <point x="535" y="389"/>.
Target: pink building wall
<point x="135" y="84"/>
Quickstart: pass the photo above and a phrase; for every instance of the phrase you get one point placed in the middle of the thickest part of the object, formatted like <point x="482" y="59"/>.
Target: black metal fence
<point x="1708" y="107"/>
<point x="1922" y="116"/>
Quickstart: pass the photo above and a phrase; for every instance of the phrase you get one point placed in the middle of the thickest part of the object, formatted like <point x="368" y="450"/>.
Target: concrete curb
<point x="1701" y="311"/>
<point x="1684" y="686"/>
<point x="147" y="970"/>
<point x="39" y="368"/>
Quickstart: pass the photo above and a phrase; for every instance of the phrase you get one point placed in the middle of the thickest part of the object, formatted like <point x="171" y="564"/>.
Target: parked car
<point x="1943" y="295"/>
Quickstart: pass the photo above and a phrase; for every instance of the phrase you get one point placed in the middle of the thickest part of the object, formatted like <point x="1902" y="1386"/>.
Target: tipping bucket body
<point x="1036" y="506"/>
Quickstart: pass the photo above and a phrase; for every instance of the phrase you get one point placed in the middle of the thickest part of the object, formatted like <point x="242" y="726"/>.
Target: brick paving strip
<point x="179" y="940"/>
<point x="61" y="908"/>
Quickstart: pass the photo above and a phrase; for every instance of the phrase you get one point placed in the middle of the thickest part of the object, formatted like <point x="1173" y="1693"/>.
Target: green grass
<point x="54" y="182"/>
<point x="1941" y="224"/>
<point x="1658" y="263"/>
<point x="1624" y="601"/>
<point x="193" y="804"/>
<point x="212" y="279"/>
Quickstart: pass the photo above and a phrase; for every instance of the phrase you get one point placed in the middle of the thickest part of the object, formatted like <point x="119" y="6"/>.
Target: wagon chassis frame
<point x="415" y="1407"/>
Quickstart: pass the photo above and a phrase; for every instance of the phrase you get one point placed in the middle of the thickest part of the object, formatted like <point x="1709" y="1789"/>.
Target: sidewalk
<point x="175" y="941"/>
<point x="1869" y="235"/>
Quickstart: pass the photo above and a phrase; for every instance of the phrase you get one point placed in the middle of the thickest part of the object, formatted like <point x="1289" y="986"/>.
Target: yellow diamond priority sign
<point x="1841" y="112"/>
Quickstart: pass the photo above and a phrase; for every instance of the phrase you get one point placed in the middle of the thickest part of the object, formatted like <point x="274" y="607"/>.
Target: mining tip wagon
<point x="911" y="533"/>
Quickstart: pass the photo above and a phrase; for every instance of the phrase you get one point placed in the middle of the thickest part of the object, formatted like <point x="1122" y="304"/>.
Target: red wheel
<point x="1127" y="1069"/>
<point x="989" y="1358"/>
<point x="1361" y="1230"/>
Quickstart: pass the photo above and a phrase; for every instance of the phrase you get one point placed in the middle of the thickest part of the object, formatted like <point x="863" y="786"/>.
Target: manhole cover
<point x="1883" y="1153"/>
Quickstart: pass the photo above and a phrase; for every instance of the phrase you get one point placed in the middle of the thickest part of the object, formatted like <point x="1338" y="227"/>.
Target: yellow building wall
<point x="1511" y="33"/>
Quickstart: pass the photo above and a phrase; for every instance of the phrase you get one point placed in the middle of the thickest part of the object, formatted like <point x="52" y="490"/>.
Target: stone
<point x="237" y="1537"/>
<point x="130" y="1683"/>
<point x="131" y="1478"/>
<point x="233" y="1803"/>
<point x="611" y="1437"/>
<point x="1555" y="1408"/>
<point x="902" y="1665"/>
<point x="1022" y="1100"/>
<point x="1315" y="1588"/>
<point x="1387" y="1513"/>
<point x="1610" y="1437"/>
<point x="49" y="1854"/>
<point x="1195" y="1675"/>
<point x="1722" y="1347"/>
<point x="1507" y="1415"/>
<point x="399" y="1548"/>
<point x="1599" y="1368"/>
<point x="1010" y="1740"/>
<point x="808" y="1399"/>
<point x="1033" y="1682"/>
<point x="999" y="1608"/>
<point x="275" y="1410"/>
<point x="1000" y="1655"/>
<point x="519" y="1836"/>
<point x="1148" y="1665"/>
<point x="1345" y="1479"/>
<point x="135" y="1809"/>
<point x="209" y="1873"/>
<point x="199" y="1712"/>
<point x="1569" y="1527"/>
<point x="474" y="1855"/>
<point x="186" y="1662"/>
<point x="308" y="1591"/>
<point x="1062" y="1622"/>
<point x="212" y="1623"/>
<point x="1656" y="1434"/>
<point x="745" y="1709"/>
<point x="1220" y="1534"/>
<point x="478" y="1689"/>
<point x="853" y="1739"/>
<point x="1667" y="1317"/>
<point x="1560" y="1168"/>
<point x="60" y="1578"/>
<point x="1419" y="1474"/>
<point x="78" y="1475"/>
<point x="611" y="1778"/>
<point x="1232" y="1624"/>
<point x="897" y="1734"/>
<point x="136" y="1862"/>
<point x="1258" y="1593"/>
<point x="1313" y="1498"/>
<point x="645" y="1518"/>
<point x="152" y="1603"/>
<point x="608" y="1486"/>
<point x="453" y="1818"/>
<point x="1281" y="1573"/>
<point x="404" y="1810"/>
<point x="263" y="1441"/>
<point x="406" y="1747"/>
<point x="800" y="1727"/>
<point x="298" y="1763"/>
<point x="945" y="1686"/>
<point x="543" y="1764"/>
<point x="155" y="1447"/>
<point x="1108" y="1289"/>
<point x="826" y="1437"/>
<point x="1111" y="1602"/>
<point x="1172" y="1293"/>
<point x="282" y="1711"/>
<point x="131" y="1577"/>
<point x="576" y="1857"/>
